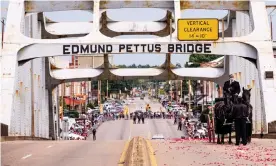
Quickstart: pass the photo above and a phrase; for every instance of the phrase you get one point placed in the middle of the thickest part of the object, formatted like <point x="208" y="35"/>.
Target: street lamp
<point x="270" y="16"/>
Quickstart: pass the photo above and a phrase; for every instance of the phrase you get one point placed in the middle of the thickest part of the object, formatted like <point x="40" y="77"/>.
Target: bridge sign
<point x="198" y="29"/>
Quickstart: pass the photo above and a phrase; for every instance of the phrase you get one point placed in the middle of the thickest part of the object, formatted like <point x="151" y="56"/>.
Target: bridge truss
<point x="31" y="40"/>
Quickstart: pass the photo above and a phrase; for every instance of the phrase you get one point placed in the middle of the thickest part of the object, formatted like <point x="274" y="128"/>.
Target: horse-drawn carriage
<point x="221" y="122"/>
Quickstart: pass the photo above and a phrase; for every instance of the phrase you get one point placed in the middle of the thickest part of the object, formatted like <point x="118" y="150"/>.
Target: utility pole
<point x="3" y="27"/>
<point x="62" y="102"/>
<point x="99" y="92"/>
<point x="181" y="91"/>
<point x="170" y="83"/>
<point x="106" y="88"/>
<point x="189" y="95"/>
<point x="91" y="89"/>
<point x="74" y="60"/>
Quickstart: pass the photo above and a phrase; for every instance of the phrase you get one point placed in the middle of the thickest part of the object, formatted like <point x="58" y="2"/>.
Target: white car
<point x="158" y="136"/>
<point x="112" y="110"/>
<point x="75" y="136"/>
<point x="126" y="102"/>
<point x="77" y="126"/>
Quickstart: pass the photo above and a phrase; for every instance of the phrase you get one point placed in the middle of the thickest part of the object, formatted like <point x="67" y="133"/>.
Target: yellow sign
<point x="101" y="108"/>
<point x="198" y="29"/>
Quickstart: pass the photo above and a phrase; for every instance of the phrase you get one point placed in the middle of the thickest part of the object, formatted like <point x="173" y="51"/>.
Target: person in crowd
<point x="179" y="124"/>
<point x="143" y="118"/>
<point x="175" y="119"/>
<point x="94" y="134"/>
<point x="232" y="87"/>
<point x="134" y="118"/>
<point x="139" y="117"/>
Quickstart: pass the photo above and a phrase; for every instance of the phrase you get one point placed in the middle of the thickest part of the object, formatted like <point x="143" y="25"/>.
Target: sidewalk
<point x="175" y="152"/>
<point x="15" y="138"/>
<point x="266" y="136"/>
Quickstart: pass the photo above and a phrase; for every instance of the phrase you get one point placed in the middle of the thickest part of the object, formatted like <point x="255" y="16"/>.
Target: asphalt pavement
<point x="105" y="151"/>
<point x="111" y="139"/>
<point x="125" y="129"/>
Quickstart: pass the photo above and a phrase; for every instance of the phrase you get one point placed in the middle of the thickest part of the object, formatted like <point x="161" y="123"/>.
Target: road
<point x="111" y="139"/>
<point x="105" y="151"/>
<point x="201" y="152"/>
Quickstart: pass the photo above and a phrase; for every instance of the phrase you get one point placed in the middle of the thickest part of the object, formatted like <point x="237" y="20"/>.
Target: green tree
<point x="195" y="60"/>
<point x="201" y="58"/>
<point x="121" y="66"/>
<point x="90" y="105"/>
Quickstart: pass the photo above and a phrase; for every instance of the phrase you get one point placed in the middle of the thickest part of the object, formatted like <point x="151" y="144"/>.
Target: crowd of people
<point x="193" y="129"/>
<point x="114" y="116"/>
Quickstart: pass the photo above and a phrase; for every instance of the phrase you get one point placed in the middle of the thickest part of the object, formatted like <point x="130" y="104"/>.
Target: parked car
<point x="158" y="136"/>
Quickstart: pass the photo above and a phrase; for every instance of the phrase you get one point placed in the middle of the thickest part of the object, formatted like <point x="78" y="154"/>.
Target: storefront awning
<point x="71" y="101"/>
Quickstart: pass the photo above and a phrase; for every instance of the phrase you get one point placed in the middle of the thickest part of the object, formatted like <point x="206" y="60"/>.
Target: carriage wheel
<point x="213" y="131"/>
<point x="209" y="128"/>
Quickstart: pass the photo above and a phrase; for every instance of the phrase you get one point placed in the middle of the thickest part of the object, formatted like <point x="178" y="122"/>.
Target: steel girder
<point x="48" y="6"/>
<point x="17" y="46"/>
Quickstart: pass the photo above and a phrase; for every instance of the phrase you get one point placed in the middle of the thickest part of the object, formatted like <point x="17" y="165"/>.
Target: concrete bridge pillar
<point x="24" y="95"/>
<point x="9" y="72"/>
<point x="266" y="88"/>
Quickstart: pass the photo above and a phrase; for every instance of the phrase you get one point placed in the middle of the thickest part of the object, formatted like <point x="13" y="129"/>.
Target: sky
<point x="131" y="15"/>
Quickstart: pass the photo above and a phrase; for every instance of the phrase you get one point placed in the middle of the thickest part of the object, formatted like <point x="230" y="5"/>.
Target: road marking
<point x="151" y="154"/>
<point x="149" y="135"/>
<point x="49" y="146"/>
<point x="130" y="129"/>
<point x="29" y="155"/>
<point x="123" y="156"/>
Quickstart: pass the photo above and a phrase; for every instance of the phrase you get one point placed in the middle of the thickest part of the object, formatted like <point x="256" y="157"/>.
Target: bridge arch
<point x="256" y="45"/>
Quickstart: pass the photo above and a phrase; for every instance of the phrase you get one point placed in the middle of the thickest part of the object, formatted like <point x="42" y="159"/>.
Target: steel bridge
<point x="29" y="77"/>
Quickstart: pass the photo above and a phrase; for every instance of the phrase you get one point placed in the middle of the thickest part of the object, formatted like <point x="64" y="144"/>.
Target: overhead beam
<point x="55" y="48"/>
<point x="124" y="74"/>
<point x="113" y="28"/>
<point x="124" y="26"/>
<point x="75" y="73"/>
<point x="214" y="5"/>
<point x="134" y="29"/>
<point x="137" y="72"/>
<point x="199" y="72"/>
<point x="49" y="6"/>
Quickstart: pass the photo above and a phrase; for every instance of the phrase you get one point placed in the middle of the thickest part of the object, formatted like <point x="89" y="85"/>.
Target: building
<point x="210" y="89"/>
<point x="78" y="94"/>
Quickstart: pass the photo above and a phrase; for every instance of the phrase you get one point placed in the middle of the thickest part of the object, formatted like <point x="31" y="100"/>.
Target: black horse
<point x="246" y="100"/>
<point x="223" y="120"/>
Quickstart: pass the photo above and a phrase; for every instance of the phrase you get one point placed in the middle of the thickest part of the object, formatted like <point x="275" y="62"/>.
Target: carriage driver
<point x="232" y="87"/>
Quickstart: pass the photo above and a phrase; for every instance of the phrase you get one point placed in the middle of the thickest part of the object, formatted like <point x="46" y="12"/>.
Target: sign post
<point x="198" y="29"/>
